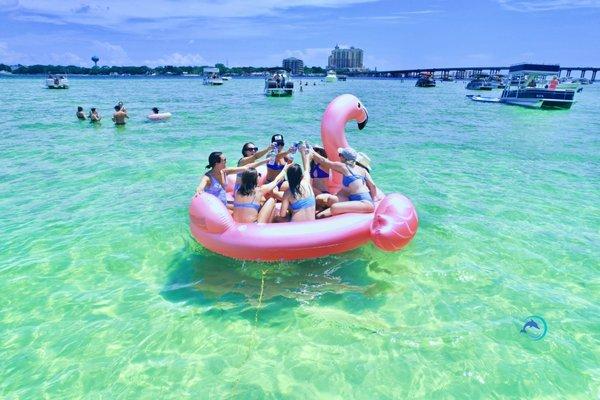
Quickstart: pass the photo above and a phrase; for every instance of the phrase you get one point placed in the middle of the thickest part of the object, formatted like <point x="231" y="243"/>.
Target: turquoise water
<point x="106" y="295"/>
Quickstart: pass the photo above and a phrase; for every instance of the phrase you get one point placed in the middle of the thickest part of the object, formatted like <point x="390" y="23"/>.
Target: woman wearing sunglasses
<point x="247" y="199"/>
<point x="250" y="154"/>
<point x="358" y="189"/>
<point x="214" y="181"/>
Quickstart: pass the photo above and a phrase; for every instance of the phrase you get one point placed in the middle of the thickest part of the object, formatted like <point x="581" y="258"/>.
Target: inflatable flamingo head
<point x="340" y="111"/>
<point x="395" y="222"/>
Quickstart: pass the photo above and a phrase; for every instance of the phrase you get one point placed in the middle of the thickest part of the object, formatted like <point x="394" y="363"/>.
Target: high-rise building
<point x="294" y="65"/>
<point x="351" y="58"/>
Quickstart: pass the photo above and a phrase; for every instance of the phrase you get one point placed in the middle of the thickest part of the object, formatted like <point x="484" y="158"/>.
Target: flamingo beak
<point x="362" y="124"/>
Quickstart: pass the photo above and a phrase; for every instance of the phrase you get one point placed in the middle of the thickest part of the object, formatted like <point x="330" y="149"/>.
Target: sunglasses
<point x="223" y="159"/>
<point x="251" y="148"/>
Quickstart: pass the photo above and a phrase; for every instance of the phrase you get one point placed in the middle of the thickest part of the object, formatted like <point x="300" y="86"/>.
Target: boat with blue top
<point x="528" y="87"/>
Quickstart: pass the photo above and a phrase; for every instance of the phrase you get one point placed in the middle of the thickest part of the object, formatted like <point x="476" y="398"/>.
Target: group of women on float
<point x="301" y="190"/>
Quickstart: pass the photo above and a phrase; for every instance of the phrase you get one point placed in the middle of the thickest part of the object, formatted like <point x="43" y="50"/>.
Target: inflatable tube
<point x="159" y="116"/>
<point x="390" y="227"/>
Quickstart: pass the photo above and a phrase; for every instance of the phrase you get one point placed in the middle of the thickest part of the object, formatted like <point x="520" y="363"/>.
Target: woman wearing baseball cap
<point x="274" y="166"/>
<point x="358" y="189"/>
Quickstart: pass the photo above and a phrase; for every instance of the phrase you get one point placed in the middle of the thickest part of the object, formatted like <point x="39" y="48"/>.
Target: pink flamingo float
<point x="391" y="226"/>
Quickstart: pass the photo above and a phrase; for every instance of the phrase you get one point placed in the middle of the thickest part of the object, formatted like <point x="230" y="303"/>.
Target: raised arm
<point x="236" y="170"/>
<point x="271" y="185"/>
<point x="306" y="156"/>
<point x="259" y="154"/>
<point x="334" y="165"/>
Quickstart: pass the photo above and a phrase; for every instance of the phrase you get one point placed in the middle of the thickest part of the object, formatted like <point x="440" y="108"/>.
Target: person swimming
<point x="358" y="189"/>
<point x="247" y="199"/>
<point x="80" y="114"/>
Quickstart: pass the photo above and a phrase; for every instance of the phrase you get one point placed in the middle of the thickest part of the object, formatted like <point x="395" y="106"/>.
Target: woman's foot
<point x="323" y="214"/>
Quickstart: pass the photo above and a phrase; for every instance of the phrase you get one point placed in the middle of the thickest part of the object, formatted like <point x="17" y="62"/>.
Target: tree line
<point x="39" y="69"/>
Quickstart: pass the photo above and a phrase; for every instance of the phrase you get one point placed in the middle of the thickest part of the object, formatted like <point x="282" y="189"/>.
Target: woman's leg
<point x="345" y="207"/>
<point x="266" y="212"/>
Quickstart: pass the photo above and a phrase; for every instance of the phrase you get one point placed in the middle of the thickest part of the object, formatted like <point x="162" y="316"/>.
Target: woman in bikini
<point x="213" y="181"/>
<point x="299" y="198"/>
<point x="246" y="205"/>
<point x="358" y="189"/>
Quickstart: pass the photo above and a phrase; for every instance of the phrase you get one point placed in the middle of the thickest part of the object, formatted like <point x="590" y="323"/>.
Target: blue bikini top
<point x="317" y="172"/>
<point x="348" y="179"/>
<point x="302" y="203"/>
<point x="275" y="166"/>
<point x="253" y="205"/>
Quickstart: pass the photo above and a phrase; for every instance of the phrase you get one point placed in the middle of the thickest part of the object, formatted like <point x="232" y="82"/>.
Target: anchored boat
<point x="57" y="82"/>
<point x="528" y="87"/>
<point x="279" y="84"/>
<point x="331" y="76"/>
<point x="211" y="76"/>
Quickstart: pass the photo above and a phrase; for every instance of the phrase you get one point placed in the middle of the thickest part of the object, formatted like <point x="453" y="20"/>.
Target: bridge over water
<point x="467" y="72"/>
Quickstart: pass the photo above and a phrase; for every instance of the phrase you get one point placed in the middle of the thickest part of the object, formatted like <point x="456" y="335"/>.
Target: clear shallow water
<point x="104" y="293"/>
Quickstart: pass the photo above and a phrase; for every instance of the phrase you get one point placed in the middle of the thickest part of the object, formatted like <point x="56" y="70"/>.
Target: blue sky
<point x="394" y="34"/>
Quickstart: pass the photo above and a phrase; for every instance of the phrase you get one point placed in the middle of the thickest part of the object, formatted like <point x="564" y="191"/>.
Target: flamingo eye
<point x="358" y="105"/>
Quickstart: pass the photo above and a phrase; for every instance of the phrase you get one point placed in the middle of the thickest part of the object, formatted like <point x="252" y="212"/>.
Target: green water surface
<point x="104" y="294"/>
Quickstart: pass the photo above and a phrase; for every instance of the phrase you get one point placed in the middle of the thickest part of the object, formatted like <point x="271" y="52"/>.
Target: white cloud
<point x="178" y="59"/>
<point x="67" y="58"/>
<point x="7" y="56"/>
<point x="547" y="5"/>
<point x="98" y="12"/>
<point x="312" y="56"/>
<point x="110" y="54"/>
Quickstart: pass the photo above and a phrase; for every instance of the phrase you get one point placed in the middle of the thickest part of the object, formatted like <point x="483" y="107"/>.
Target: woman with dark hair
<point x="319" y="176"/>
<point x="214" y="181"/>
<point x="80" y="115"/>
<point x="250" y="154"/>
<point x="276" y="165"/>
<point x="358" y="189"/>
<point x="246" y="204"/>
<point x="299" y="198"/>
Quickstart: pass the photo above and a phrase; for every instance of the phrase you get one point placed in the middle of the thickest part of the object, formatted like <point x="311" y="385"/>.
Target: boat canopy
<point x="538" y="69"/>
<point x="210" y="70"/>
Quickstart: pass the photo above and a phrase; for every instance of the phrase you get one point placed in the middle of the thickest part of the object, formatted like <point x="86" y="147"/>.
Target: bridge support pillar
<point x="568" y="73"/>
<point x="594" y="75"/>
<point x="583" y="71"/>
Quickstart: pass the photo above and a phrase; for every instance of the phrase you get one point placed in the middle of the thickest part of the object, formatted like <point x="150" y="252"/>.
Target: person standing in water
<point x="79" y="114"/>
<point x="94" y="116"/>
<point x="119" y="115"/>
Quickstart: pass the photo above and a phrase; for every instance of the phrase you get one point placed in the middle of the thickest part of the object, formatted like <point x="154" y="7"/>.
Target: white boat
<point x="331" y="76"/>
<point x="226" y="78"/>
<point x="57" y="82"/>
<point x="279" y="84"/>
<point x="526" y="90"/>
<point x="211" y="76"/>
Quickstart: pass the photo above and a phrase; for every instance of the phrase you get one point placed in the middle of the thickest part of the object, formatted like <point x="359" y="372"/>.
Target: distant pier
<point x="466" y="72"/>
